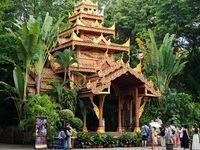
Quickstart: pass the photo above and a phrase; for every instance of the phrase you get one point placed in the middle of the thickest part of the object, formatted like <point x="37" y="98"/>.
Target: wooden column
<point x="84" y="121"/>
<point x="123" y="120"/>
<point x="130" y="115"/>
<point x="119" y="128"/>
<point x="137" y="128"/>
<point x="101" y="102"/>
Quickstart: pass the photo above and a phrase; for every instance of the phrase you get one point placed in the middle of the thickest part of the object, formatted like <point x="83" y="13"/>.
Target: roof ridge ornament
<point x="75" y="37"/>
<point x="102" y="13"/>
<point x="101" y="38"/>
<point x="127" y="44"/>
<point x="78" y="22"/>
<point x="113" y="27"/>
<point x="139" y="67"/>
<point x="69" y="14"/>
<point x="121" y="59"/>
<point x="96" y="24"/>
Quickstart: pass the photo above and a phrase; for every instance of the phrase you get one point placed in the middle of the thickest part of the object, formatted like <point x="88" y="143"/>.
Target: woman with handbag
<point x="68" y="132"/>
<point x="145" y="134"/>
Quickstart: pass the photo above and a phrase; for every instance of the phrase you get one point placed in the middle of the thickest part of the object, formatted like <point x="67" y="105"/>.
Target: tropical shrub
<point x="83" y="140"/>
<point x="66" y="114"/>
<point x="109" y="140"/>
<point x="74" y="132"/>
<point x="76" y="122"/>
<point x="41" y="106"/>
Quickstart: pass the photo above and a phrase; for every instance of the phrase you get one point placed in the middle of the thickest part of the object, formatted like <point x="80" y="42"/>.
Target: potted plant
<point x="109" y="140"/>
<point x="99" y="140"/>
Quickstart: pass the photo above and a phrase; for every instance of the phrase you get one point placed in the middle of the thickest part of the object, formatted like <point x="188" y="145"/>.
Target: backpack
<point x="62" y="134"/>
<point x="173" y="131"/>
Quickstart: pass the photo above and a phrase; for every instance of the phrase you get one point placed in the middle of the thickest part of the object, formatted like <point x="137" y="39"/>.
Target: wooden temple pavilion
<point x="95" y="54"/>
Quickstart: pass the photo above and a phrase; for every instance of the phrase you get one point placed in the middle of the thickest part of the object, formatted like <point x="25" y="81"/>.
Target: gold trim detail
<point x="119" y="129"/>
<point x="113" y="27"/>
<point x="102" y="13"/>
<point x="101" y="38"/>
<point x="85" y="129"/>
<point x="95" y="108"/>
<point x="96" y="24"/>
<point x="78" y="22"/>
<point x="141" y="109"/>
<point x="127" y="44"/>
<point x="100" y="130"/>
<point x="69" y="15"/>
<point x="75" y="37"/>
<point x="139" y="67"/>
<point x="137" y="129"/>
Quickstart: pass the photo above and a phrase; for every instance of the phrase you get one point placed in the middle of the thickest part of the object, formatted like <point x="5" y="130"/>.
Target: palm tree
<point x="48" y="33"/>
<point x="161" y="64"/>
<point x="65" y="59"/>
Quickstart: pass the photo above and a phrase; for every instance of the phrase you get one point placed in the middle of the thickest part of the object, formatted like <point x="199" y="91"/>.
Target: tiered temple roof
<point x="95" y="54"/>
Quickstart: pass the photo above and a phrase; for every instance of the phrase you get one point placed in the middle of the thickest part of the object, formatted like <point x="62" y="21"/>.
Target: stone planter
<point x="169" y="146"/>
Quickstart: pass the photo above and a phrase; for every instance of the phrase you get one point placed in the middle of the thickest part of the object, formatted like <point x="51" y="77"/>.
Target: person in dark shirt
<point x="69" y="128"/>
<point x="162" y="135"/>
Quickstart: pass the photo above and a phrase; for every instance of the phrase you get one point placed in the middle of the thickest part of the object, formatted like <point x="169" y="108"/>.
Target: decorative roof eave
<point x="116" y="47"/>
<point x="84" y="15"/>
<point x="117" y="71"/>
<point x="105" y="31"/>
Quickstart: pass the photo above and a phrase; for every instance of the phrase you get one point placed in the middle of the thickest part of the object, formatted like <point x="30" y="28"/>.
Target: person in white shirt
<point x="172" y="134"/>
<point x="181" y="133"/>
<point x="159" y="120"/>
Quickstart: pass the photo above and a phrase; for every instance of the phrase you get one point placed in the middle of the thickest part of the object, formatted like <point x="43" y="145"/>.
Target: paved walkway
<point x="31" y="147"/>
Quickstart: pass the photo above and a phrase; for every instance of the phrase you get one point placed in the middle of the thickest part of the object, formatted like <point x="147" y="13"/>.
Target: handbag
<point x="68" y="133"/>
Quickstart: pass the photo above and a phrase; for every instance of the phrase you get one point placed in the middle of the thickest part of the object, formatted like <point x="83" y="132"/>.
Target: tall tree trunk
<point x="38" y="82"/>
<point x="24" y="95"/>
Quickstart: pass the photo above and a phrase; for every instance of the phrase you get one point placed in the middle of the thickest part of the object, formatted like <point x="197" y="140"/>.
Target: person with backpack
<point x="145" y="134"/>
<point x="172" y="134"/>
<point x="68" y="130"/>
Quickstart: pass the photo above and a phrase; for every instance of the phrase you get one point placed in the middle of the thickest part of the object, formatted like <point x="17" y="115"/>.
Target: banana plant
<point x="161" y="64"/>
<point x="26" y="42"/>
<point x="47" y="35"/>
<point x="15" y="93"/>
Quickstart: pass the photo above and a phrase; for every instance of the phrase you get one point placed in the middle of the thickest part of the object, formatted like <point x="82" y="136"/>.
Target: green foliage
<point x="41" y="106"/>
<point x="83" y="140"/>
<point x="66" y="114"/>
<point x="161" y="64"/>
<point x="66" y="97"/>
<point x="76" y="122"/>
<point x="65" y="59"/>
